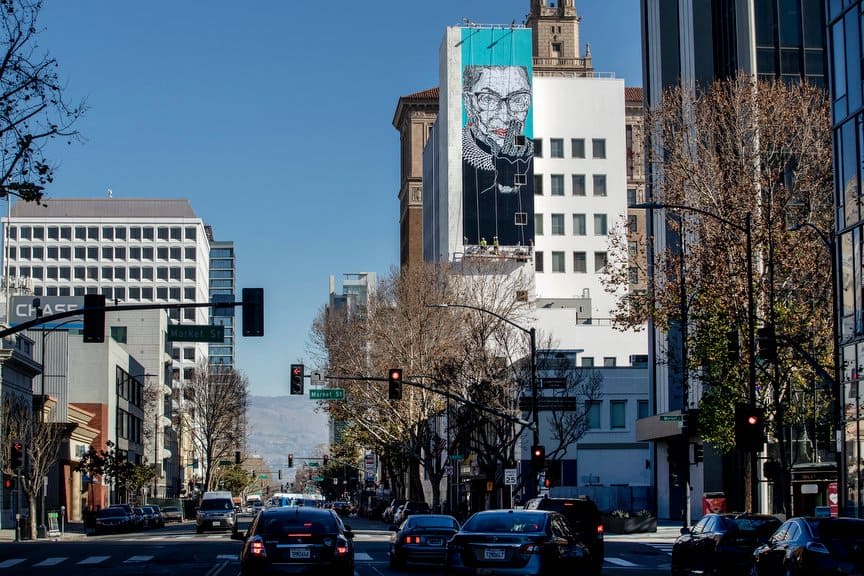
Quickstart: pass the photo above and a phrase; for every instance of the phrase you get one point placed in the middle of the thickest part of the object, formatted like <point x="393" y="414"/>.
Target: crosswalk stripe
<point x="621" y="562"/>
<point x="11" y="562"/>
<point x="94" y="560"/>
<point x="362" y="556"/>
<point x="51" y="561"/>
<point x="138" y="559"/>
<point x="226" y="557"/>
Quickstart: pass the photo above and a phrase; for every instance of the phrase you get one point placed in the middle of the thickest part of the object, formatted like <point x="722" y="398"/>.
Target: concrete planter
<point x="632" y="525"/>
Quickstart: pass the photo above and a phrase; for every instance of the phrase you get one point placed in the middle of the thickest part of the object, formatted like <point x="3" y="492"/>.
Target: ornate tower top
<point x="555" y="30"/>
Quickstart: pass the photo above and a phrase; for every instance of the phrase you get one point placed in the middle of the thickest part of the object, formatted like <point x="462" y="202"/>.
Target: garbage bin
<point x="713" y="503"/>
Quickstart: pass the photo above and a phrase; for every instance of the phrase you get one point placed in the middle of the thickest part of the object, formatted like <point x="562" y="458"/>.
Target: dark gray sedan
<point x="422" y="539"/>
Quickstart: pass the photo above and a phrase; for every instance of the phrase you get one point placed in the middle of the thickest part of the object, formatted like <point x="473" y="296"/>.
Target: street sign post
<point x="671" y="418"/>
<point x="326" y="393"/>
<point x="196" y="333"/>
<point x="510" y="476"/>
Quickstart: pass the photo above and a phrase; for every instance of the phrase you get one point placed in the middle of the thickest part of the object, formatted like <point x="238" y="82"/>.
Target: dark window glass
<point x="538" y="261"/>
<point x="814" y="24"/>
<point x="790" y="62"/>
<point x="538" y="184"/>
<point x="538" y="147"/>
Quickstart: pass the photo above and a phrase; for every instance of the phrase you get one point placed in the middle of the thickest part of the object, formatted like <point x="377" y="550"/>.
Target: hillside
<point x="282" y="425"/>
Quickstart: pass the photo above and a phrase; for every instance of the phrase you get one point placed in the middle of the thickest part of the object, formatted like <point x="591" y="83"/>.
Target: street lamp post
<point x="532" y="334"/>
<point x="747" y="230"/>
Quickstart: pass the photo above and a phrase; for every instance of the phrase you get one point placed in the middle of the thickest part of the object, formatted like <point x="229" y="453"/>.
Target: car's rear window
<point x="108" y="512"/>
<point x="761" y="526"/>
<point x="216" y="504"/>
<point x="170" y="509"/>
<point x="507" y="522"/>
<point x="281" y="526"/>
<point x="433" y="522"/>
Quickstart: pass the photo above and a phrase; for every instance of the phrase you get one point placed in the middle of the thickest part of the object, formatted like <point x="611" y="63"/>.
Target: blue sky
<point x="274" y="118"/>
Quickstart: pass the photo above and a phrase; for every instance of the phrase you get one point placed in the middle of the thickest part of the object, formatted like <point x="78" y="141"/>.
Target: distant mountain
<point x="282" y="425"/>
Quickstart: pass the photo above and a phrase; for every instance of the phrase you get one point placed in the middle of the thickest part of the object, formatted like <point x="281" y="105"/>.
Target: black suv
<point x="584" y="518"/>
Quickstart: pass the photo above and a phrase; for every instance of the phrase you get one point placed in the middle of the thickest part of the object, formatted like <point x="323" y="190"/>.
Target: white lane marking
<point x="227" y="557"/>
<point x="362" y="556"/>
<point x="51" y="561"/>
<point x="621" y="562"/>
<point x="11" y="562"/>
<point x="138" y="559"/>
<point x="94" y="560"/>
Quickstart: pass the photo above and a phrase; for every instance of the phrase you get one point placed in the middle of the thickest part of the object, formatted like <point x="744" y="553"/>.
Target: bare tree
<point x="34" y="111"/>
<point x="216" y="400"/>
<point x="42" y="440"/>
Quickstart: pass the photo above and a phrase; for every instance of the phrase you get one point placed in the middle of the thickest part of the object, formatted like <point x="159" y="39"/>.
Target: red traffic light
<point x="752" y="420"/>
<point x="7" y="482"/>
<point x="396" y="374"/>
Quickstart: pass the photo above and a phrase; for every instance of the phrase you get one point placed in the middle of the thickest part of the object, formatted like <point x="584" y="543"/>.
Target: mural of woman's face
<point x="499" y="100"/>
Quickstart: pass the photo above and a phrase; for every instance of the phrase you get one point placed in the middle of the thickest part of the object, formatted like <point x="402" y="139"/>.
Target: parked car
<point x="172" y="514"/>
<point x="342" y="508"/>
<point x="524" y="542"/>
<point x="139" y="519"/>
<point x="154" y="517"/>
<point x="409" y="508"/>
<point x="721" y="543"/>
<point x="389" y="511"/>
<point x="117" y="518"/>
<point x="807" y="546"/>
<point x="216" y="514"/>
<point x="585" y="520"/>
<point x="422" y="538"/>
<point x="297" y="539"/>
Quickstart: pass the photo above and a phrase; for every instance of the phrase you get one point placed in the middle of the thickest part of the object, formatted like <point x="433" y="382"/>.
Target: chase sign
<point x="23" y="309"/>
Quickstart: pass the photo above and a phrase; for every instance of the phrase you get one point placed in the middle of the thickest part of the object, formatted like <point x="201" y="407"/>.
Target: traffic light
<point x="749" y="428"/>
<point x="690" y="422"/>
<point x="733" y="347"/>
<point x="767" y="341"/>
<point x="394" y="378"/>
<point x="553" y="474"/>
<point x="94" y="318"/>
<point x="8" y="482"/>
<point x="237" y="457"/>
<point x="290" y="460"/>
<point x="538" y="457"/>
<point x="253" y="312"/>
<point x="280" y="474"/>
<point x="297" y="379"/>
<point x="698" y="453"/>
<point x="326" y="459"/>
<point x="16" y="455"/>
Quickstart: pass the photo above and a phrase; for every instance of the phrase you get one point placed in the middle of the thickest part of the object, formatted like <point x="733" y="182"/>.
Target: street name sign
<point x="671" y="418"/>
<point x="196" y="333"/>
<point x="457" y="457"/>
<point x="326" y="393"/>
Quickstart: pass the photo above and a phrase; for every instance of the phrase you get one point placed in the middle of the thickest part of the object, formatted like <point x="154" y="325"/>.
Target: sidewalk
<point x="667" y="532"/>
<point x="71" y="531"/>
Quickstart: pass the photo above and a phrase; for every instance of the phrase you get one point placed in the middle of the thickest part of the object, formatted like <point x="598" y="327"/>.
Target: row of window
<point x="617" y="413"/>
<point x="601" y="226"/>
<point x="167" y="273"/>
<point x="128" y="387"/>
<point x="148" y="253"/>
<point x="580" y="261"/>
<point x="577" y="148"/>
<point x="128" y="426"/>
<point x="577" y="185"/>
<point x="107" y="232"/>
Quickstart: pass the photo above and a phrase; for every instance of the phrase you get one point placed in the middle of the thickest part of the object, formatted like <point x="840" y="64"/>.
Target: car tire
<point x="199" y="530"/>
<point x="396" y="563"/>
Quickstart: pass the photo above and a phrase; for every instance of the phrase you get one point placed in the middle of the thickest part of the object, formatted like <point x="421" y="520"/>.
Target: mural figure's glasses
<point x="516" y="102"/>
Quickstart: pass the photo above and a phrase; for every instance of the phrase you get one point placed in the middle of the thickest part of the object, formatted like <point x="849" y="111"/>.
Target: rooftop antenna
<point x="110" y="193"/>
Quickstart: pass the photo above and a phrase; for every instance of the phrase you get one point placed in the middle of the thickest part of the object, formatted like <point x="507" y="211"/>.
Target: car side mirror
<point x="238" y="536"/>
<point x="685" y="531"/>
<point x="348" y="532"/>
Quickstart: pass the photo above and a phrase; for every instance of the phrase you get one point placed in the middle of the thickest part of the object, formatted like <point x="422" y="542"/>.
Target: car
<point x="584" y="518"/>
<point x="390" y="510"/>
<point x="295" y="540"/>
<point x="153" y="514"/>
<point x="116" y="518"/>
<point x="139" y="519"/>
<point x="172" y="514"/>
<point x="721" y="543"/>
<point x="422" y="538"/>
<point x="806" y="546"/>
<point x="216" y="514"/>
<point x="524" y="542"/>
<point x="342" y="508"/>
<point x="409" y="508"/>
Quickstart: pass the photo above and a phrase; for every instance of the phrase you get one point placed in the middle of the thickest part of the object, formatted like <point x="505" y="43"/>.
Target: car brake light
<point x="530" y="549"/>
<point x="341" y="550"/>
<point x="600" y="531"/>
<point x="256" y="547"/>
<point x="412" y="540"/>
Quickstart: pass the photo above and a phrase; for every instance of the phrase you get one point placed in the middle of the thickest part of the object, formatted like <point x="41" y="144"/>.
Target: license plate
<point x="299" y="553"/>
<point x="214" y="522"/>
<point x="493" y="554"/>
<point x="435" y="541"/>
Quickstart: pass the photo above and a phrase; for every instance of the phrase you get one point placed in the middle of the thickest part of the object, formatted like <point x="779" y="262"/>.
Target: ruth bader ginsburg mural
<point x="497" y="137"/>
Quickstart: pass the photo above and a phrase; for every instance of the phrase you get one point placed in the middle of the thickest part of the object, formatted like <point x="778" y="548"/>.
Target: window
<point x="80" y="253"/>
<point x="147" y="273"/>
<point x="577" y="147"/>
<point x="617" y="413"/>
<point x="538" y="147"/>
<point x="538" y="184"/>
<point x="118" y="334"/>
<point x="135" y="253"/>
<point x="632" y="223"/>
<point x="92" y="273"/>
<point x="556" y="49"/>
<point x="579" y="262"/>
<point x="135" y="233"/>
<point x="107" y="232"/>
<point x="578" y="184"/>
<point x="92" y="253"/>
<point x="176" y="233"/>
<point x="189" y="314"/>
<point x="190" y="273"/>
<point x="175" y="353"/>
<point x="134" y="273"/>
<point x="190" y="252"/>
<point x="66" y="233"/>
<point x="600" y="225"/>
<point x="592" y="413"/>
<point x="53" y="233"/>
<point x="80" y="272"/>
<point x="175" y="273"/>
<point x="175" y="252"/>
<point x="107" y="273"/>
<point x="38" y="233"/>
<point x="51" y="273"/>
<point x="147" y="233"/>
<point x="120" y="253"/>
<point x="53" y="252"/>
<point x="162" y="273"/>
<point x="598" y="147"/>
<point x="65" y="253"/>
<point x="134" y="293"/>
<point x="189" y="353"/>
<point x="538" y="224"/>
<point x="120" y="293"/>
<point x="107" y="253"/>
<point x="191" y="233"/>
<point x="147" y="253"/>
<point x="631" y="196"/>
<point x="632" y="248"/>
<point x="587" y="361"/>
<point x="174" y="294"/>
<point x="26" y="232"/>
<point x="557" y="224"/>
<point x="642" y="409"/>
<point x="633" y="275"/>
<point x="120" y="233"/>
<point x="188" y="373"/>
<point x="558" y="262"/>
<point x="557" y="184"/>
<point x="65" y="273"/>
<point x="600" y="261"/>
<point x="162" y="233"/>
<point x="578" y="224"/>
<point x="24" y="252"/>
<point x="599" y="184"/>
<point x="146" y="293"/>
<point x="556" y="147"/>
<point x="538" y="261"/>
<point x="189" y="294"/>
<point x="119" y="273"/>
<point x="80" y="233"/>
<point x="93" y="233"/>
<point x="162" y="293"/>
<point x="162" y="253"/>
<point x="609" y="361"/>
<point x="38" y="253"/>
<point x="174" y="315"/>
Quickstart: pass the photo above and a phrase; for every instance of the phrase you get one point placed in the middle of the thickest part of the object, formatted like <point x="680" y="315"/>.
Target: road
<point x="177" y="550"/>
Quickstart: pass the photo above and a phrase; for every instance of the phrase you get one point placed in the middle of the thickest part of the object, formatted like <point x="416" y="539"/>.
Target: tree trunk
<point x="31" y="502"/>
